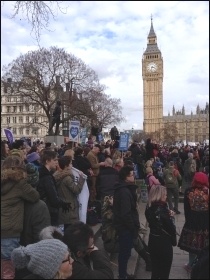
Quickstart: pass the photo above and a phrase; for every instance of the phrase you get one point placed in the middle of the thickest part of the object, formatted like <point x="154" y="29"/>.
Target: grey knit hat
<point x="32" y="174"/>
<point x="42" y="258"/>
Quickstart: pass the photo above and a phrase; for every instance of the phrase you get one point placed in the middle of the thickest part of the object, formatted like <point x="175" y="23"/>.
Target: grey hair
<point x="156" y="193"/>
<point x="190" y="155"/>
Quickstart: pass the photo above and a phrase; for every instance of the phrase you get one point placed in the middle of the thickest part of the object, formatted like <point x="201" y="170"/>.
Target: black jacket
<point x="125" y="208"/>
<point x="160" y="222"/>
<point x="47" y="190"/>
<point x="107" y="179"/>
<point x="82" y="163"/>
<point x="101" y="267"/>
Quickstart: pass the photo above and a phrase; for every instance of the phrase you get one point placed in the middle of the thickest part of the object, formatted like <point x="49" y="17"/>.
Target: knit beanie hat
<point x="16" y="152"/>
<point x="32" y="157"/>
<point x="42" y="258"/>
<point x="32" y="174"/>
<point x="201" y="178"/>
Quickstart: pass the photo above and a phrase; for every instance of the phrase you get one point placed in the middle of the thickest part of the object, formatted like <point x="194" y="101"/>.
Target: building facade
<point x="193" y="127"/>
<point x="23" y="117"/>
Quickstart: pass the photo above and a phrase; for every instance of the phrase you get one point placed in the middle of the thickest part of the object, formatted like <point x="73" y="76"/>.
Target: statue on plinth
<point x="56" y="119"/>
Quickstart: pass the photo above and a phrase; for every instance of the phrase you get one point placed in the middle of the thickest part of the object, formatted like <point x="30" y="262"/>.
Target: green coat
<point x="68" y="190"/>
<point x="13" y="194"/>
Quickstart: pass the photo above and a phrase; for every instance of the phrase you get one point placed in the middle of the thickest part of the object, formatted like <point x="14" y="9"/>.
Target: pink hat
<point x="201" y="178"/>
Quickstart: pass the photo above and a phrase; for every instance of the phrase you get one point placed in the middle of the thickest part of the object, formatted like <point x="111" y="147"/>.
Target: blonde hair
<point x="149" y="170"/>
<point x="148" y="163"/>
<point x="156" y="193"/>
<point x="118" y="161"/>
<point x="59" y="275"/>
<point x="69" y="153"/>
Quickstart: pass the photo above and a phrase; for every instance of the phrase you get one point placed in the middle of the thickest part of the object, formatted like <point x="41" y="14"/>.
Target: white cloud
<point x="110" y="37"/>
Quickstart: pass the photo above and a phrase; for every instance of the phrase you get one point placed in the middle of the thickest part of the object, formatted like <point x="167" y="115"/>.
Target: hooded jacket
<point x="125" y="208"/>
<point x="14" y="191"/>
<point x="68" y="190"/>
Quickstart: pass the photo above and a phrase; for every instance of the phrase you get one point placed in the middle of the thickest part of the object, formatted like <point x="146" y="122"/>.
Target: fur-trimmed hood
<point x="61" y="174"/>
<point x="50" y="232"/>
<point x="10" y="174"/>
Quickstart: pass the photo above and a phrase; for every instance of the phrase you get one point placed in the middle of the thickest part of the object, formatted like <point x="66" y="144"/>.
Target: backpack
<point x="170" y="178"/>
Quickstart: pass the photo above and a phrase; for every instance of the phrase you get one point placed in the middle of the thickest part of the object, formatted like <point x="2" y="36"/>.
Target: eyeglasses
<point x="68" y="260"/>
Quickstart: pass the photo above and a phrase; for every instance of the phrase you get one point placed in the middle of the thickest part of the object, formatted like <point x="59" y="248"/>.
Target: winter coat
<point x="93" y="159"/>
<point x="14" y="191"/>
<point x="160" y="222"/>
<point x="36" y="217"/>
<point x="195" y="233"/>
<point x="48" y="192"/>
<point x="107" y="179"/>
<point x="101" y="267"/>
<point x="125" y="208"/>
<point x="68" y="190"/>
<point x="188" y="176"/>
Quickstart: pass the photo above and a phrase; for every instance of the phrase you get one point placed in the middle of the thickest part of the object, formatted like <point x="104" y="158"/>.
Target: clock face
<point x="152" y="67"/>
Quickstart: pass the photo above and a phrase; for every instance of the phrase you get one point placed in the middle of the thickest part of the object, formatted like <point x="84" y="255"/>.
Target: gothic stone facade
<point x="190" y="127"/>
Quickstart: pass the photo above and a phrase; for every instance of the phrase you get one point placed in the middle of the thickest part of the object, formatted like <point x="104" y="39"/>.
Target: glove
<point x="65" y="207"/>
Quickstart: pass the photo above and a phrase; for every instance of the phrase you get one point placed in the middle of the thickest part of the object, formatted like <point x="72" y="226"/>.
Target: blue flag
<point x="9" y="135"/>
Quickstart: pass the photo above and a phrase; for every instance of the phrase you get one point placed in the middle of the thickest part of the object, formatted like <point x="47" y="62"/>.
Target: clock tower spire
<point x="152" y="74"/>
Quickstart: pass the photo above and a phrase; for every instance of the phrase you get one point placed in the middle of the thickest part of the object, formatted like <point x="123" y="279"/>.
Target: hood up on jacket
<point x="10" y="177"/>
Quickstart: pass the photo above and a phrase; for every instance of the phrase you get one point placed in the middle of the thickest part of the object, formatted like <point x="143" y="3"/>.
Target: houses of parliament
<point x="193" y="127"/>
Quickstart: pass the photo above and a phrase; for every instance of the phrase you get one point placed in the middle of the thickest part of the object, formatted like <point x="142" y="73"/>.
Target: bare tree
<point x="46" y="75"/>
<point x="37" y="14"/>
<point x="169" y="133"/>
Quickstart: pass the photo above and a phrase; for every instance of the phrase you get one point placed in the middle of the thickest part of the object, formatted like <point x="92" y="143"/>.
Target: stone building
<point x="193" y="127"/>
<point x="24" y="118"/>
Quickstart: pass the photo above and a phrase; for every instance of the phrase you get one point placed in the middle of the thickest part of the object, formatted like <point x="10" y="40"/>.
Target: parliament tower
<point x="152" y="74"/>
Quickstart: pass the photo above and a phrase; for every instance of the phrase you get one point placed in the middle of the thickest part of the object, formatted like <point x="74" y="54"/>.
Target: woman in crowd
<point x="68" y="189"/>
<point x="14" y="191"/>
<point x="34" y="158"/>
<point x="46" y="259"/>
<point x="151" y="180"/>
<point x="118" y="163"/>
<point x="195" y="233"/>
<point x="162" y="235"/>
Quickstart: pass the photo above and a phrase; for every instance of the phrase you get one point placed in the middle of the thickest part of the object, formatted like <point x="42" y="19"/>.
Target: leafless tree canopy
<point x="44" y="76"/>
<point x="37" y="13"/>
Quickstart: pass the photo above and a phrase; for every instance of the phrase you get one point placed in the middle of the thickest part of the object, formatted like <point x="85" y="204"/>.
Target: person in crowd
<point x="107" y="178"/>
<point x="34" y="158"/>
<point x="110" y="236"/>
<point x="32" y="175"/>
<point x="149" y="149"/>
<point x="118" y="164"/>
<point x="68" y="189"/>
<point x="189" y="171"/>
<point x="90" y="142"/>
<point x="126" y="218"/>
<point x="46" y="259"/>
<point x="195" y="233"/>
<point x="4" y="150"/>
<point x="200" y="268"/>
<point x="172" y="179"/>
<point x="79" y="238"/>
<point x="69" y="153"/>
<point x="162" y="236"/>
<point x="95" y="166"/>
<point x="150" y="179"/>
<point x="47" y="185"/>
<point x="14" y="191"/>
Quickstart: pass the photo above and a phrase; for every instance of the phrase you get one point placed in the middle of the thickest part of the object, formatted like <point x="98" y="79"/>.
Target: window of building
<point x="15" y="109"/>
<point x="27" y="108"/>
<point x="27" y="131"/>
<point x="20" y="108"/>
<point x="14" y="130"/>
<point x="8" y="119"/>
<point x="21" y="131"/>
<point x="14" y="120"/>
<point x="20" y="119"/>
<point x="8" y="109"/>
<point x="36" y="119"/>
<point x="27" y="118"/>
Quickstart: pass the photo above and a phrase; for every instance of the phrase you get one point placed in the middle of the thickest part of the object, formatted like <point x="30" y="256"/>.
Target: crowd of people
<point x="39" y="193"/>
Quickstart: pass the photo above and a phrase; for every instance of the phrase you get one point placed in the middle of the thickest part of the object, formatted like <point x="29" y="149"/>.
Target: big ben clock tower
<point x="152" y="74"/>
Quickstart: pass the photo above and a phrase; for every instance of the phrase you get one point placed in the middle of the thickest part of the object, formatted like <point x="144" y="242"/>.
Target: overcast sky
<point x="111" y="37"/>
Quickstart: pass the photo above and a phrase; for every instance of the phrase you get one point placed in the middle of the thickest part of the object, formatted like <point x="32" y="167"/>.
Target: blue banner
<point x="9" y="135"/>
<point x="124" y="139"/>
<point x="100" y="137"/>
